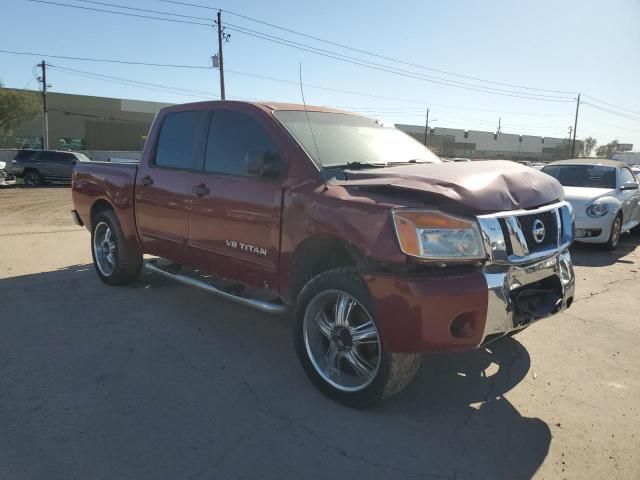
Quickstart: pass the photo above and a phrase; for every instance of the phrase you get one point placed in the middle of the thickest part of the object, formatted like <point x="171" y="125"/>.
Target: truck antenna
<point x="306" y="112"/>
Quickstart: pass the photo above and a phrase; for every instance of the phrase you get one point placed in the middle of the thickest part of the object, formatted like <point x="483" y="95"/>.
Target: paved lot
<point x="160" y="381"/>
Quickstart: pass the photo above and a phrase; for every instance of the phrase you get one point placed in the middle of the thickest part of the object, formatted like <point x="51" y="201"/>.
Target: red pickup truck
<point x="380" y="251"/>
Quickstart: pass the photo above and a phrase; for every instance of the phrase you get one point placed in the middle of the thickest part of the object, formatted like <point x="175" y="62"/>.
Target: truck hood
<point x="580" y="197"/>
<point x="489" y="186"/>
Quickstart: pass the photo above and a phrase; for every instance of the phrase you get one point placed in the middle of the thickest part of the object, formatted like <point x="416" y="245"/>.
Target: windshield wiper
<point x="358" y="165"/>
<point x="412" y="161"/>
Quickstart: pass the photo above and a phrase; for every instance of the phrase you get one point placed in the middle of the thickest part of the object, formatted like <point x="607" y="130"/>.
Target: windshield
<point x="590" y="176"/>
<point x="349" y="139"/>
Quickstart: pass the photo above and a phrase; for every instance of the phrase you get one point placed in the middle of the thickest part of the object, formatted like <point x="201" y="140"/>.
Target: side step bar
<point x="264" y="306"/>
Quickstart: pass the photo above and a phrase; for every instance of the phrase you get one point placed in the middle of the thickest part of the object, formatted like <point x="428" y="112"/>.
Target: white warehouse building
<point x="476" y="144"/>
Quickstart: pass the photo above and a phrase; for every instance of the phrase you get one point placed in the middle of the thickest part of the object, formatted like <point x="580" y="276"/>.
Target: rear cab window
<point x="181" y="140"/>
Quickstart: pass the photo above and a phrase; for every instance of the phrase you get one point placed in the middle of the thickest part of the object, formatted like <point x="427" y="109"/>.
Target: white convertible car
<point x="604" y="195"/>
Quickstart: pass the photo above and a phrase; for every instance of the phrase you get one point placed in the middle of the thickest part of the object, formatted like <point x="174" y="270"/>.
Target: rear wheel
<point x="340" y="346"/>
<point x="32" y="178"/>
<point x="616" y="232"/>
<point x="114" y="260"/>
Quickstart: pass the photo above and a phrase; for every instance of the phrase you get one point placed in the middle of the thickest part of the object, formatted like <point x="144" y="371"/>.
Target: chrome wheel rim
<point x="104" y="248"/>
<point x="615" y="234"/>
<point x="342" y="340"/>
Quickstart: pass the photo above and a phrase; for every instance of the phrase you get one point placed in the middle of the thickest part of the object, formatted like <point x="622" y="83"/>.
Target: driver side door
<point x="234" y="223"/>
<point x="630" y="199"/>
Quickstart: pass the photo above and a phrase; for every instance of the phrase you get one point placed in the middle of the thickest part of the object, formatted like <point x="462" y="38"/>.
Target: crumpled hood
<point x="580" y="197"/>
<point x="490" y="186"/>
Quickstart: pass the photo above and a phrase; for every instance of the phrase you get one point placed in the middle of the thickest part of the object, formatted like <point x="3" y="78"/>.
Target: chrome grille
<point x="509" y="236"/>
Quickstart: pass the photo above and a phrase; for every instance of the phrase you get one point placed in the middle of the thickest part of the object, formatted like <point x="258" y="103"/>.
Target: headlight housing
<point x="3" y="165"/>
<point x="437" y="236"/>
<point x="597" y="209"/>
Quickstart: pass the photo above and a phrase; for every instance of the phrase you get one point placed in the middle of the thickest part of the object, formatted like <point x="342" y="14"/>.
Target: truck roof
<point x="267" y="106"/>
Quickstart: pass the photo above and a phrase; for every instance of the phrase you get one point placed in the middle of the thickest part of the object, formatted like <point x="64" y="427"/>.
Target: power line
<point x="281" y="80"/>
<point x="105" y="60"/>
<point x="121" y="13"/>
<point x="130" y="83"/>
<point x="612" y="112"/>
<point x="125" y="7"/>
<point x="144" y="85"/>
<point x="395" y="70"/>
<point x="330" y="54"/>
<point x="366" y="52"/>
<point x="610" y="104"/>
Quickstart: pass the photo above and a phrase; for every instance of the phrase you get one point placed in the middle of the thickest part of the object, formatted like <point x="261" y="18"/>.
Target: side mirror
<point x="629" y="186"/>
<point x="265" y="164"/>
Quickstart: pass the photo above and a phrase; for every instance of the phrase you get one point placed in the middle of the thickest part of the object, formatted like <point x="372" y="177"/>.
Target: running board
<point x="263" y="306"/>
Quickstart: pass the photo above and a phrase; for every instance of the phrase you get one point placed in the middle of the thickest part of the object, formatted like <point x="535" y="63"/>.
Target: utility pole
<point x="45" y="110"/>
<point x="575" y="128"/>
<point x="221" y="36"/>
<point x="426" y="129"/>
<point x="499" y="124"/>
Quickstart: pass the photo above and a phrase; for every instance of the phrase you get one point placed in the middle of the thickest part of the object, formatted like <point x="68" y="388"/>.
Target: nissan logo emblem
<point x="538" y="230"/>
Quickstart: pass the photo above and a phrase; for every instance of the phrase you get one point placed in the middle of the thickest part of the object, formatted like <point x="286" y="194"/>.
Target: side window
<point x="45" y="157"/>
<point x="626" y="176"/>
<point x="231" y="137"/>
<point x="65" y="158"/>
<point x="181" y="140"/>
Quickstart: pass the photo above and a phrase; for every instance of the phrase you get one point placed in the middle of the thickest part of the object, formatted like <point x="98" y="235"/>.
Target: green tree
<point x="608" y="149"/>
<point x="589" y="145"/>
<point x="15" y="107"/>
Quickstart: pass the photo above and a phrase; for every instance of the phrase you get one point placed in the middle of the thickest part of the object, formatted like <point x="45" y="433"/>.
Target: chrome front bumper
<point x="552" y="279"/>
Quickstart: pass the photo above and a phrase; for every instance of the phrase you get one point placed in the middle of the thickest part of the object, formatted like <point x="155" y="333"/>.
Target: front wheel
<point x="339" y="344"/>
<point x="616" y="232"/>
<point x="115" y="262"/>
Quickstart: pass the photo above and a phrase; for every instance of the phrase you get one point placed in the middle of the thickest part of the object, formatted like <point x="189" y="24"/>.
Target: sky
<point x="553" y="48"/>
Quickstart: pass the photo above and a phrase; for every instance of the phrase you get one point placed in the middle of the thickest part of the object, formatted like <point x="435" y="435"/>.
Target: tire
<point x="32" y="178"/>
<point x="331" y="310"/>
<point x="616" y="232"/>
<point x="113" y="259"/>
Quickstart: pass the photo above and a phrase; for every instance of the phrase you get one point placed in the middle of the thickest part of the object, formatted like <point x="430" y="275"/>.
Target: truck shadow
<point x="157" y="381"/>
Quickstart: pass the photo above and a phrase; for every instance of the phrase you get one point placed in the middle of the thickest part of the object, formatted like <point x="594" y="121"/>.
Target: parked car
<point x="604" y="195"/>
<point x="636" y="170"/>
<point x="5" y="177"/>
<point x="381" y="251"/>
<point x="37" y="167"/>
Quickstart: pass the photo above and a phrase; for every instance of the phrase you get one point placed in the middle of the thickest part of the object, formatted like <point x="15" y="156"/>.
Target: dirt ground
<point x="161" y="381"/>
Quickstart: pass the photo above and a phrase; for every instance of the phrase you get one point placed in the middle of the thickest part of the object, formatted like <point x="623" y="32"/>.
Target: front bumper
<point x="6" y="179"/>
<point x="593" y="230"/>
<point x="447" y="313"/>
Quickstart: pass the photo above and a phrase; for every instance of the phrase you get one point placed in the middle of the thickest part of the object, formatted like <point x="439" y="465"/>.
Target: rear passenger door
<point x="164" y="185"/>
<point x="234" y="226"/>
<point x="43" y="162"/>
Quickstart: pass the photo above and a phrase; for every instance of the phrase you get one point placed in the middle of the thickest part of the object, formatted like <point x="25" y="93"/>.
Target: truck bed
<point x="112" y="182"/>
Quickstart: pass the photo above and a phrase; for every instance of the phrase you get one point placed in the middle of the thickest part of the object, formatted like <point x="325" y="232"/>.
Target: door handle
<point x="147" y="181"/>
<point x="200" y="190"/>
